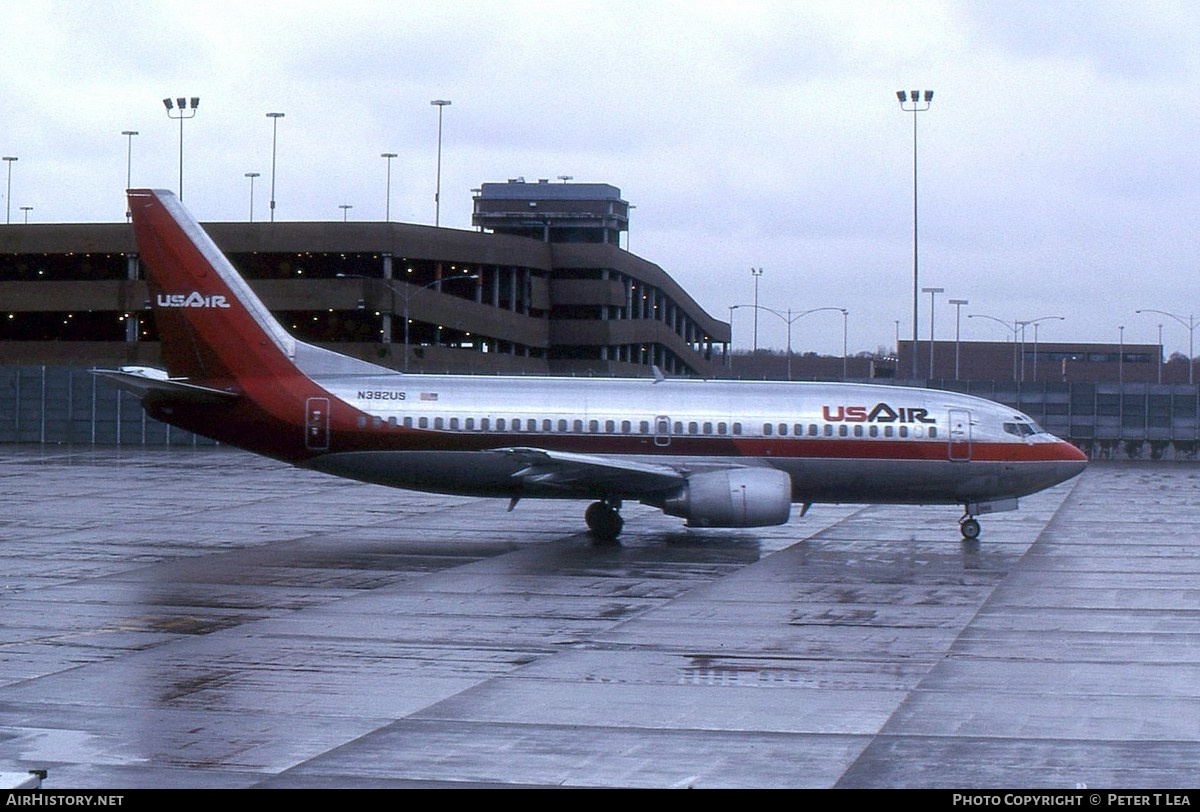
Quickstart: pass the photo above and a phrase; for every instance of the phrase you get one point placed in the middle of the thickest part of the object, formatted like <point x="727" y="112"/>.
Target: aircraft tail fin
<point x="213" y="326"/>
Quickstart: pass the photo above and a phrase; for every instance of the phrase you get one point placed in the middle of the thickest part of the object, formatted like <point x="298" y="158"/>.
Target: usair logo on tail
<point x="193" y="299"/>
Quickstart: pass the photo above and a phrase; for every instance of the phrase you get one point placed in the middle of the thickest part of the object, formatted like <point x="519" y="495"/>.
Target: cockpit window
<point x="1022" y="427"/>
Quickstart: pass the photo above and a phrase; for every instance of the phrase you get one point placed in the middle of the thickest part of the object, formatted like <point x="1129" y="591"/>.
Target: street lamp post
<point x="790" y="318"/>
<point x="933" y="292"/>
<point x="345" y="207"/>
<point x="1014" y="327"/>
<point x="757" y="274"/>
<point x="1190" y="325"/>
<point x="274" y="142"/>
<point x="913" y="102"/>
<point x="9" y="159"/>
<point x="129" y="134"/>
<point x="407" y="294"/>
<point x="181" y="109"/>
<point x="26" y="210"/>
<point x="252" y="176"/>
<point x="441" y="105"/>
<point x="958" y="305"/>
<point x="387" y="209"/>
<point x="1035" y="323"/>
<point x="1121" y="359"/>
<point x="1159" y="365"/>
<point x="845" y="336"/>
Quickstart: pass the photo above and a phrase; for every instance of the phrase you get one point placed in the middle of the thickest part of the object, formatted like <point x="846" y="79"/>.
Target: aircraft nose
<point x="1071" y="461"/>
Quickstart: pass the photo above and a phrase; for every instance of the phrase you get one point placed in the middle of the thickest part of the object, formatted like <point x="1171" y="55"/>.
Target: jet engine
<point x="736" y="497"/>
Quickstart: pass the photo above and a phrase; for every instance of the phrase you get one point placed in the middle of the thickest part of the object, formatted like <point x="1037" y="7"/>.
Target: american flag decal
<point x="429" y="396"/>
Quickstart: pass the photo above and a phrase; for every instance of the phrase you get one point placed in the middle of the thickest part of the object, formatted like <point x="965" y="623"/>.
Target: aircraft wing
<point x="142" y="381"/>
<point x="569" y="471"/>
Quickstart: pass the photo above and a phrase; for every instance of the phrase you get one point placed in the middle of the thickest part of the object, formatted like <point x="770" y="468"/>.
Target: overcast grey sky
<point x="1058" y="164"/>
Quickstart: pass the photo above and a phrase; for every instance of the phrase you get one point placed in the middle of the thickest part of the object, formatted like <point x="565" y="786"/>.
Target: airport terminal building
<point x="542" y="287"/>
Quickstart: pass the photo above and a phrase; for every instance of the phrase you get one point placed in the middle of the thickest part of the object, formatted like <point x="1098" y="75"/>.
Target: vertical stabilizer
<point x="212" y="325"/>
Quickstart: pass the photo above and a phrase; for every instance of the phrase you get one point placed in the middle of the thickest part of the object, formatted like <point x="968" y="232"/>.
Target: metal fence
<point x="49" y="404"/>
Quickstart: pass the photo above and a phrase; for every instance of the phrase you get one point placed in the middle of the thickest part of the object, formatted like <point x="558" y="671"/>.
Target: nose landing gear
<point x="604" y="519"/>
<point x="969" y="526"/>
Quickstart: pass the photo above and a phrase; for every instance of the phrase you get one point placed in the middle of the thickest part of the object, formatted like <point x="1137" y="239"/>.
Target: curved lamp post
<point x="1190" y="325"/>
<point x="790" y="318"/>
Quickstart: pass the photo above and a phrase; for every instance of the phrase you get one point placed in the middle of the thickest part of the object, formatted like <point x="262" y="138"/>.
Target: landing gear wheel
<point x="604" y="521"/>
<point x="970" y="528"/>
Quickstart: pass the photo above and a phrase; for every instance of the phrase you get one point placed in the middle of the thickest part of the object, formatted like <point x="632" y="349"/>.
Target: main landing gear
<point x="604" y="519"/>
<point x="969" y="526"/>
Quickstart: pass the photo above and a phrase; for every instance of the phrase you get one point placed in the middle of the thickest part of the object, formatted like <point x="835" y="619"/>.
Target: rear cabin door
<point x="316" y="424"/>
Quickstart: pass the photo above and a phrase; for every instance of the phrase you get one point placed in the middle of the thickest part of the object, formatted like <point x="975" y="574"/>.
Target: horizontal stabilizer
<point x="142" y="381"/>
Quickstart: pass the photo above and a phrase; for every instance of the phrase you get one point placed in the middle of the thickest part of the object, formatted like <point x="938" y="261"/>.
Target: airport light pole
<point x="274" y="142"/>
<point x="27" y="209"/>
<point x="9" y="159"/>
<point x="913" y="102"/>
<point x="1014" y="327"/>
<point x="406" y="295"/>
<point x="1035" y="323"/>
<point x="1189" y="323"/>
<point x="845" y="337"/>
<point x="181" y="109"/>
<point x="387" y="209"/>
<point x="441" y="105"/>
<point x="345" y="207"/>
<point x="129" y="134"/>
<point x="252" y="176"/>
<point x="933" y="292"/>
<point x="958" y="305"/>
<point x="1121" y="361"/>
<point x="790" y="318"/>
<point x="757" y="274"/>
<point x="1159" y="365"/>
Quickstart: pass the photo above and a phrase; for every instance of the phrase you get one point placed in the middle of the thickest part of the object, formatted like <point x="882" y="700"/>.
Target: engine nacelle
<point x="737" y="497"/>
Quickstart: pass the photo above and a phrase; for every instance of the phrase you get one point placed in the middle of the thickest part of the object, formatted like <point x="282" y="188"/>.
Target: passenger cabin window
<point x="766" y="429"/>
<point x="423" y="422"/>
<point x="562" y="425"/>
<point x="737" y="428"/>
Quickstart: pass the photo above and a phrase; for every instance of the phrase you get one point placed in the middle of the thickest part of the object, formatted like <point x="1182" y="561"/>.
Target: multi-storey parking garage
<point x="406" y="296"/>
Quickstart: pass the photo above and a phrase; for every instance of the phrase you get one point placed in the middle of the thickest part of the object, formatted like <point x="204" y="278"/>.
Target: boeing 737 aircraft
<point x="715" y="453"/>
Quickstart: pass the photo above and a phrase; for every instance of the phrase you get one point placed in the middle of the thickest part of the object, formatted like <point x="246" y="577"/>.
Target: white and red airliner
<point x="716" y="453"/>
